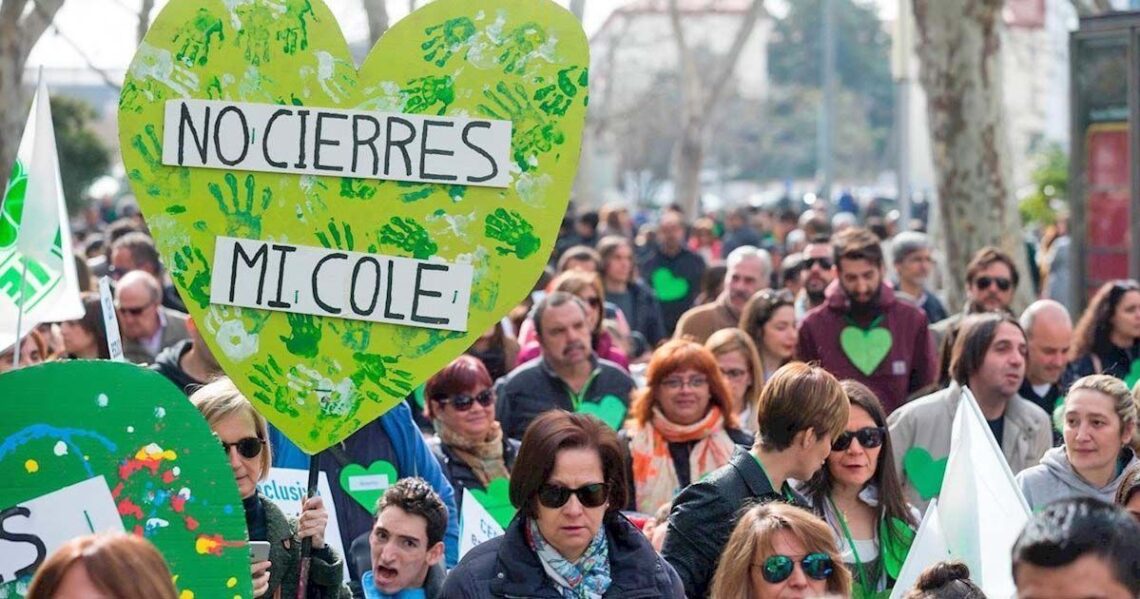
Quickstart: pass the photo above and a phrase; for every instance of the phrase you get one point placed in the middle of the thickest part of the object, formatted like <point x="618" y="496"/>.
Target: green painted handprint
<point x="520" y="46"/>
<point x="159" y="180"/>
<point x="304" y="336"/>
<point x="356" y="189"/>
<point x="254" y="37"/>
<point x="354" y="334"/>
<point x="556" y="98"/>
<point x="294" y="34"/>
<point x="381" y="372"/>
<point x="243" y="218"/>
<point x="273" y="389"/>
<point x="447" y="39"/>
<point x="531" y="133"/>
<point x="339" y="237"/>
<point x="410" y="236"/>
<point x="425" y="92"/>
<point x="513" y="230"/>
<point x="196" y="37"/>
<point x="192" y="271"/>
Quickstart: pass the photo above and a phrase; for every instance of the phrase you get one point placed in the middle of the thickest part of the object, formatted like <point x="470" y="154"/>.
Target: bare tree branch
<point x="377" y="13"/>
<point x="144" y="20"/>
<point x="730" y="59"/>
<point x="578" y="8"/>
<point x="36" y="22"/>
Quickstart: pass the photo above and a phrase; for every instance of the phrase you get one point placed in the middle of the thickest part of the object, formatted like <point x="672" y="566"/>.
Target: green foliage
<point x="83" y="157"/>
<point x="1051" y="183"/>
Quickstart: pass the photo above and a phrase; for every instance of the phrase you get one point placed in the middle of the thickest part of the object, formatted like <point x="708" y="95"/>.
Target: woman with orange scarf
<point x="682" y="425"/>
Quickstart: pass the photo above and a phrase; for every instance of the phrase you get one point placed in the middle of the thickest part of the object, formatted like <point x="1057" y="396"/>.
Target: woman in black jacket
<point x="469" y="442"/>
<point x="1106" y="339"/>
<point x="569" y="538"/>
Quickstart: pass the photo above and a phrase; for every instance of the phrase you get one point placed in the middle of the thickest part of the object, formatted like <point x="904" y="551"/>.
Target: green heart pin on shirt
<point x="609" y="409"/>
<point x="668" y="286"/>
<point x="924" y="472"/>
<point x="90" y="446"/>
<point x="340" y="234"/>
<point x="367" y="485"/>
<point x="866" y="348"/>
<point x="497" y="500"/>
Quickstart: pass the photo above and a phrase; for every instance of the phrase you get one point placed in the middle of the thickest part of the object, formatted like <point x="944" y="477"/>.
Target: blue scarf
<point x="371" y="592"/>
<point x="588" y="578"/>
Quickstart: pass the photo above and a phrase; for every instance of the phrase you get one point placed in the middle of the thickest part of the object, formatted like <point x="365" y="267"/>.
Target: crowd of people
<point x="729" y="408"/>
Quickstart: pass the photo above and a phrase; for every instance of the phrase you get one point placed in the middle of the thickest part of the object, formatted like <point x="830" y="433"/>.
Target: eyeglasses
<point x="824" y="263"/>
<point x="778" y="568"/>
<point x="556" y="496"/>
<point x="593" y="302"/>
<point x="463" y="402"/>
<point x="733" y="373"/>
<point x="869" y="438"/>
<point x="985" y="282"/>
<point x="135" y="311"/>
<point x="248" y="448"/>
<point x="695" y="382"/>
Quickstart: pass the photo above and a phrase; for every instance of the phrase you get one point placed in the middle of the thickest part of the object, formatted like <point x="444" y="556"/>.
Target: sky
<point x="110" y="44"/>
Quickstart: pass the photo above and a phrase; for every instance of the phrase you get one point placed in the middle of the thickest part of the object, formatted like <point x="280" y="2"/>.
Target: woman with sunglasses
<point x="1106" y="339"/>
<point x="740" y="365"/>
<point x="469" y="442"/>
<point x="779" y="551"/>
<point x="769" y="318"/>
<point x="682" y="426"/>
<point x="588" y="287"/>
<point x="568" y="539"/>
<point x="1098" y="419"/>
<point x="859" y="495"/>
<point x="243" y="433"/>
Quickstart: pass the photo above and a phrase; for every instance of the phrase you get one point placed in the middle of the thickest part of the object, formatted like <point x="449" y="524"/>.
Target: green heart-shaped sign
<point x="668" y="286"/>
<point x="609" y="409"/>
<point x="497" y="500"/>
<point x="367" y="485"/>
<point x="520" y="64"/>
<point x="866" y="348"/>
<point x="89" y="446"/>
<point x="924" y="472"/>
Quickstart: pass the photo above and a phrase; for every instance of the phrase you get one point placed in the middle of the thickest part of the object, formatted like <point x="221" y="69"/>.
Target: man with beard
<point x="188" y="363"/>
<point x="749" y="271"/>
<point x="863" y="332"/>
<point x="816" y="273"/>
<point x="567" y="375"/>
<point x="989" y="357"/>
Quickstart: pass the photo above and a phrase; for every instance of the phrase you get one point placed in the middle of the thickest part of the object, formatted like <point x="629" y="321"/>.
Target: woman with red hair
<point x="682" y="425"/>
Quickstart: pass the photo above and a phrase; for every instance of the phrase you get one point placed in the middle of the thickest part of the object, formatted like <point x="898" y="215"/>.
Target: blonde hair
<point x="755" y="533"/>
<point x="726" y="341"/>
<point x="220" y="400"/>
<point x="1123" y="403"/>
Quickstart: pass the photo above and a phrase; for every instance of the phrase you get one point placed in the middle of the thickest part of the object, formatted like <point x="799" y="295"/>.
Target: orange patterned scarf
<point x="654" y="476"/>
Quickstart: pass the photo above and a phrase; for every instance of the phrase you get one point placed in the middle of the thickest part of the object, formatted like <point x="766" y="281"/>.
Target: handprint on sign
<point x="304" y="335"/>
<point x="531" y="133"/>
<point x="162" y="76"/>
<point x="192" y="272"/>
<point x="356" y="189"/>
<point x="447" y="39"/>
<point x="158" y="180"/>
<point x="410" y="236"/>
<point x="513" y="230"/>
<point x="354" y="334"/>
<point x="381" y="371"/>
<point x="424" y="93"/>
<point x="556" y="98"/>
<point x="340" y="237"/>
<point x="255" y="34"/>
<point x="196" y="36"/>
<point x="336" y="77"/>
<point x="520" y="46"/>
<point x="272" y="389"/>
<point x="294" y="33"/>
<point x="243" y="218"/>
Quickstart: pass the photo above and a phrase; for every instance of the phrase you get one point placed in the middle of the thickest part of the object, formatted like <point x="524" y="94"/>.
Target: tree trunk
<point x="19" y="32"/>
<point x="144" y="20"/>
<point x="959" y="49"/>
<point x="578" y="7"/>
<point x="377" y="13"/>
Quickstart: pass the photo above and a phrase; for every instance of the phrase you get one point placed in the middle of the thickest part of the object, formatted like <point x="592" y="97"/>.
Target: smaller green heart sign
<point x="866" y="348"/>
<point x="610" y="409"/>
<point x="924" y="472"/>
<point x="497" y="500"/>
<point x="668" y="286"/>
<point x="367" y="485"/>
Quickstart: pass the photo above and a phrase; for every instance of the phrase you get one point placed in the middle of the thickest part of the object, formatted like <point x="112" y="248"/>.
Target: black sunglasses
<point x="134" y="311"/>
<point x="592" y="301"/>
<point x="869" y="438"/>
<point x="463" y="402"/>
<point x="824" y="263"/>
<point x="249" y="447"/>
<point x="556" y="496"/>
<point x="778" y="568"/>
<point x="1001" y="282"/>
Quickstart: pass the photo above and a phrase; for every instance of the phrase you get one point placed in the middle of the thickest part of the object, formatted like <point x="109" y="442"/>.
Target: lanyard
<point x="851" y="544"/>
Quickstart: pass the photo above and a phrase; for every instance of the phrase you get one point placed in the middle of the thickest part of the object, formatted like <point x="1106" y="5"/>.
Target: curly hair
<point x="415" y="496"/>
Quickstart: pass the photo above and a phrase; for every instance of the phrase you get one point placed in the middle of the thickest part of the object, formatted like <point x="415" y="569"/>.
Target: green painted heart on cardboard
<point x="924" y="472"/>
<point x="668" y="286"/>
<point x="609" y="409"/>
<point x="866" y="348"/>
<point x="367" y="485"/>
<point x="115" y="439"/>
<point x="320" y="378"/>
<point x="497" y="500"/>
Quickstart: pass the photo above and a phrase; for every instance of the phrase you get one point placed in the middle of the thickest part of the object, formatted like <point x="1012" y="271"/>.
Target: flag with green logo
<point x="37" y="272"/>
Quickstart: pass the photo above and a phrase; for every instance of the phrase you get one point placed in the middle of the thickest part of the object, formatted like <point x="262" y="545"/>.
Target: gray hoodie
<point x="1054" y="479"/>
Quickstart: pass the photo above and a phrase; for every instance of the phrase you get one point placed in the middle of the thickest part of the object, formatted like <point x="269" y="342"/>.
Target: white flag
<point x="35" y="237"/>
<point x="981" y="508"/>
<point x="928" y="548"/>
